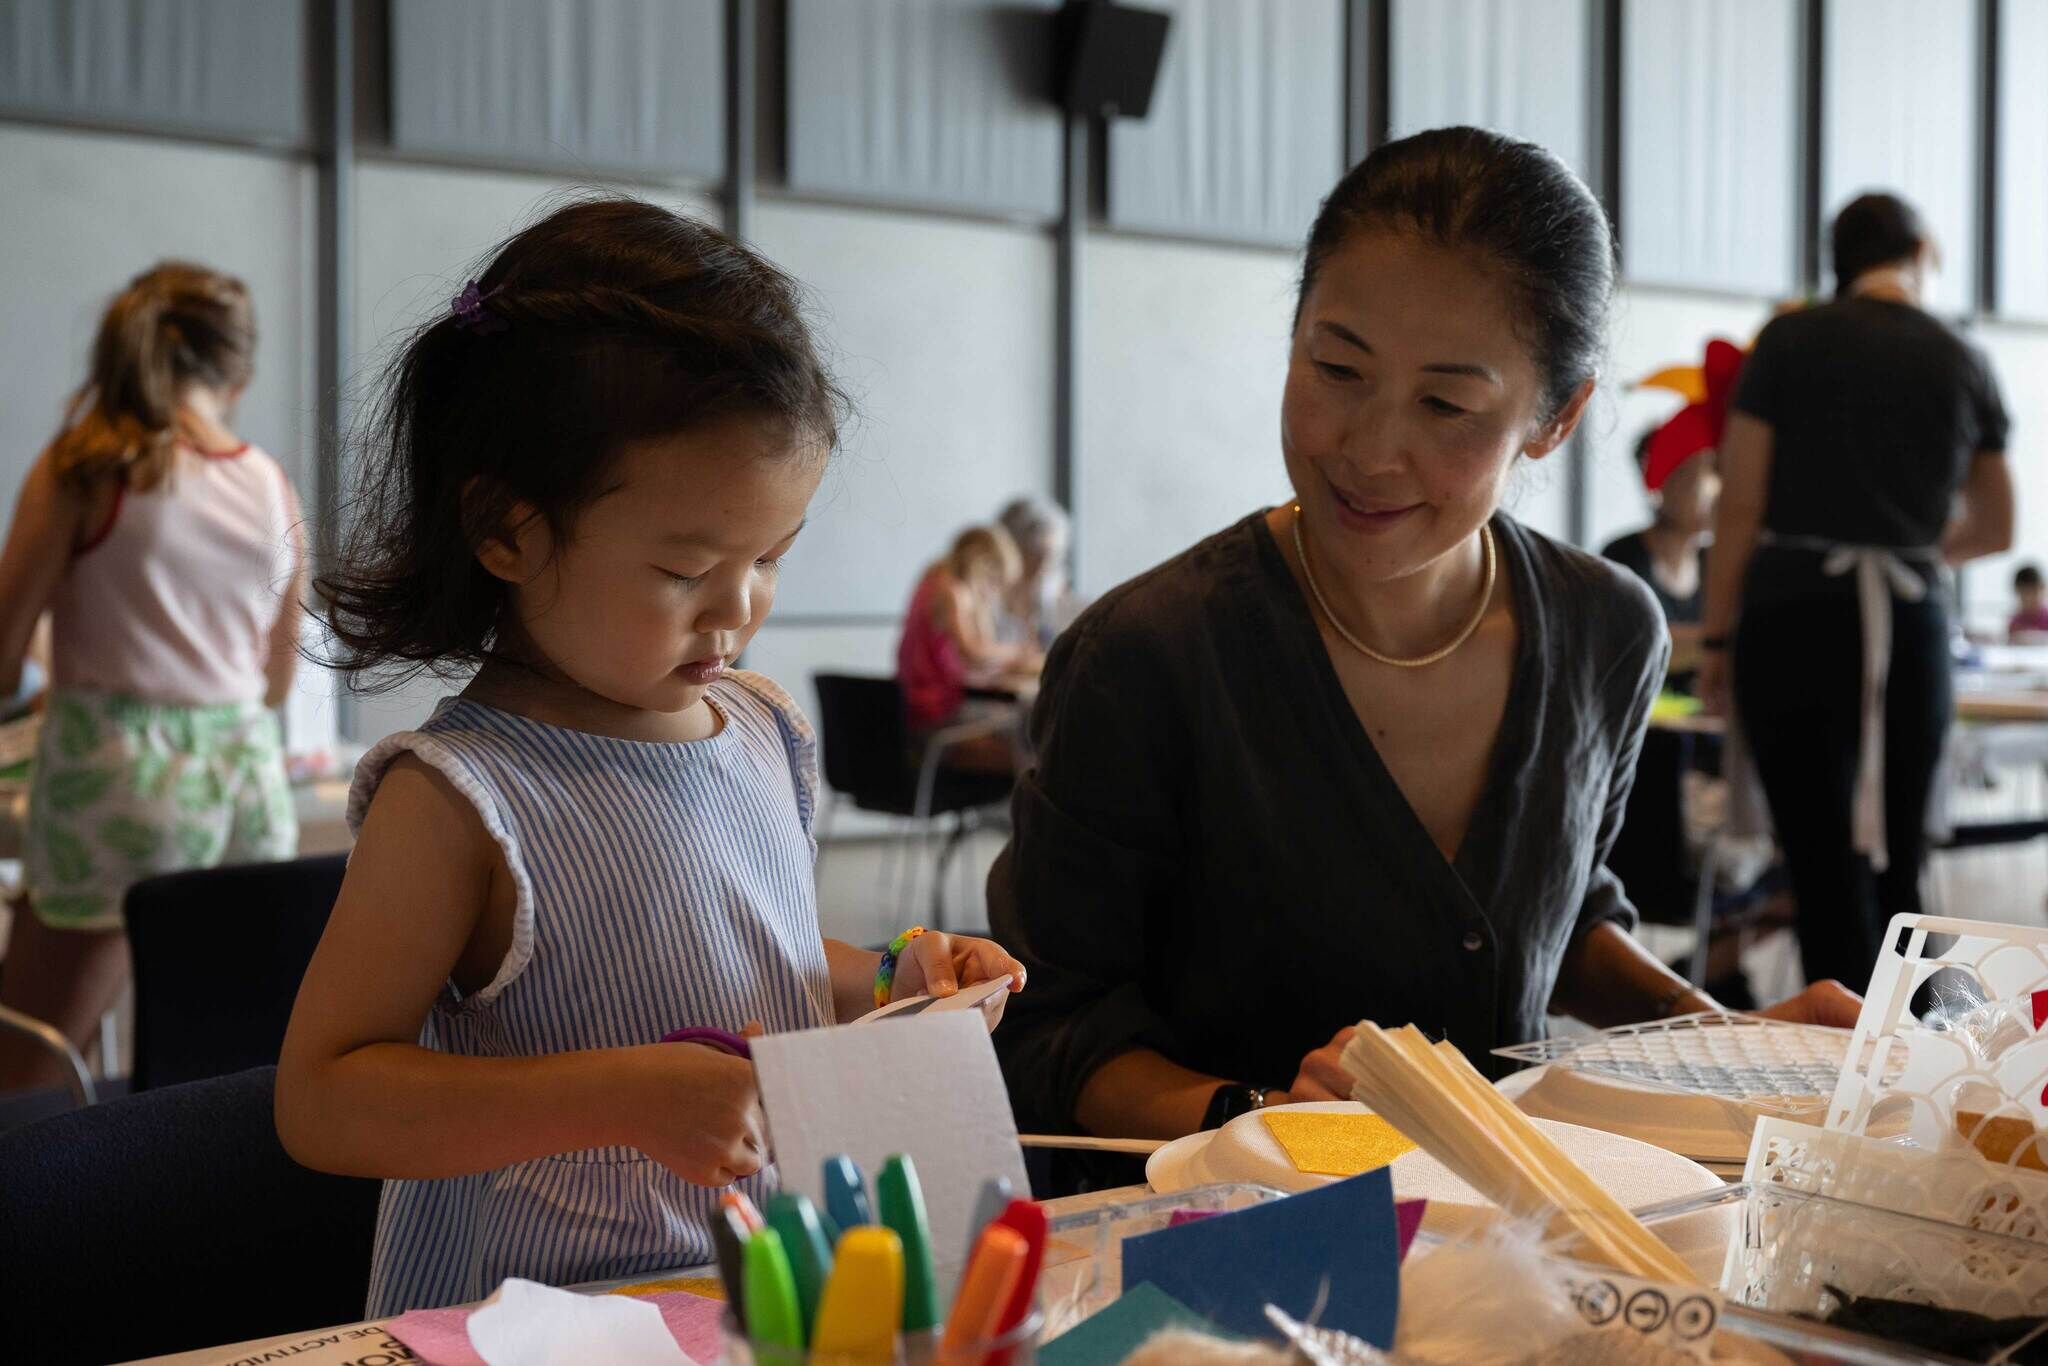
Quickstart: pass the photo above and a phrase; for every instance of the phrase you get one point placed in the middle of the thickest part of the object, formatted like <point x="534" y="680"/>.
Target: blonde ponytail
<point x="172" y="327"/>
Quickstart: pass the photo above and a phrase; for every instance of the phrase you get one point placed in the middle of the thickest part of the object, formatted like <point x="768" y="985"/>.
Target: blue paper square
<point x="1333" y="1247"/>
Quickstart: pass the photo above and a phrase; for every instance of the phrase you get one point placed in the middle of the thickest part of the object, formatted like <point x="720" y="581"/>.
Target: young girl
<point x="166" y="551"/>
<point x="588" y="472"/>
<point x="949" y="644"/>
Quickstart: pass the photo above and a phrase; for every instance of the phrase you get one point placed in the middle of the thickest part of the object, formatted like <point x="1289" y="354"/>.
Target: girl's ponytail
<point x="172" y="327"/>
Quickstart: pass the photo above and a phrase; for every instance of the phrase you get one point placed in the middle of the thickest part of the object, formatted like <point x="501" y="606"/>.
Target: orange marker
<point x="737" y="1202"/>
<point x="985" y="1291"/>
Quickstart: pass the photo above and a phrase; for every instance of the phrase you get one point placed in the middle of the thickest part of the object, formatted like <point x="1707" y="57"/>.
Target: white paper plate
<point x="1636" y="1173"/>
<point x="1714" y="1133"/>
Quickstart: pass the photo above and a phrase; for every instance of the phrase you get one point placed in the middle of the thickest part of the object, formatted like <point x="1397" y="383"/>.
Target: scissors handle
<point x="725" y="1039"/>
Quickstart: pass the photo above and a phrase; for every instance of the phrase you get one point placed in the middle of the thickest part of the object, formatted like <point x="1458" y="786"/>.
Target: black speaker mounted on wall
<point x="1109" y="57"/>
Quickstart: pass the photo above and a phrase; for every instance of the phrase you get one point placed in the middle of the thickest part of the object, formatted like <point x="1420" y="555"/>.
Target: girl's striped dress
<point x="659" y="886"/>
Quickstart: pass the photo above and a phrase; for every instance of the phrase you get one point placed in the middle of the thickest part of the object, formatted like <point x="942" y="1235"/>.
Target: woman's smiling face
<point x="1409" y="395"/>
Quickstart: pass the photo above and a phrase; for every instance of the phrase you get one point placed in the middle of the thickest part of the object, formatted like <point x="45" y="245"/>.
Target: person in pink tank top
<point x="168" y="555"/>
<point x="949" y="645"/>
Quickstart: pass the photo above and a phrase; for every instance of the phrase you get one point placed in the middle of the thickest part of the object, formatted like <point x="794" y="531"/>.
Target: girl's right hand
<point x="697" y="1111"/>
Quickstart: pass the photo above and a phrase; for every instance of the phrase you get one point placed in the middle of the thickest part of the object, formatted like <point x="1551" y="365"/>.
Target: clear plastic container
<point x="1018" y="1347"/>
<point x="1084" y="1260"/>
<point x="1084" y="1271"/>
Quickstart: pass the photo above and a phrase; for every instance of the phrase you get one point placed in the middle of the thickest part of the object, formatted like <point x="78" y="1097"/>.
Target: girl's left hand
<point x="940" y="964"/>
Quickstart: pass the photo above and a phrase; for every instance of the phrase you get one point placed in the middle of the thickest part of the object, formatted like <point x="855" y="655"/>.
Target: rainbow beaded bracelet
<point x="885" y="971"/>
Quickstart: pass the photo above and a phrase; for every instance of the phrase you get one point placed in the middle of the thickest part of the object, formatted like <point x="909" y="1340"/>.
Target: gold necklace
<point x="1420" y="661"/>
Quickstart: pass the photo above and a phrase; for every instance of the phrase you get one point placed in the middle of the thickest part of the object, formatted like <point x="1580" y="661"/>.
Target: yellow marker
<point x="863" y="1301"/>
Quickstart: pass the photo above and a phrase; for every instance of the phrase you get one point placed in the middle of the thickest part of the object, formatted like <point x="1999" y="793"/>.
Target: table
<point x="369" y="1344"/>
<point x="1974" y="706"/>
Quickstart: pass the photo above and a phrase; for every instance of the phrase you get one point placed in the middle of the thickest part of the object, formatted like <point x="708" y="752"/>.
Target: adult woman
<point x="950" y="645"/>
<point x="1669" y="554"/>
<point x="1856" y="425"/>
<point x="1681" y="476"/>
<point x="1253" y="821"/>
<point x="167" y="552"/>
<point x="1032" y="609"/>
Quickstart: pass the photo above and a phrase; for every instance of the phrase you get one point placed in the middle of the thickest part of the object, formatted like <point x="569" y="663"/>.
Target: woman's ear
<point x="1552" y="434"/>
<point x="516" y="548"/>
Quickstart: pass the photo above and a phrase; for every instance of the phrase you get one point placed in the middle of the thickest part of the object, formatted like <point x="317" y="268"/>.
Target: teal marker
<point x="900" y="1202"/>
<point x="846" y="1194"/>
<point x="795" y="1221"/>
<point x="774" y="1316"/>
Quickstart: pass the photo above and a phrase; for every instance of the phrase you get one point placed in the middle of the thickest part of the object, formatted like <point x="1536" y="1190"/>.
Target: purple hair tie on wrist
<point x="470" y="314"/>
<point x="723" y="1039"/>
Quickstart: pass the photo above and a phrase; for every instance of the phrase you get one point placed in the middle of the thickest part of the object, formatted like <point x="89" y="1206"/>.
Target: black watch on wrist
<point x="1231" y="1100"/>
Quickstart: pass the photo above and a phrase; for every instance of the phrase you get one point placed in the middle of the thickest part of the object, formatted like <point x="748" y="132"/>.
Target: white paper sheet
<point x="927" y="1086"/>
<point x="526" y="1324"/>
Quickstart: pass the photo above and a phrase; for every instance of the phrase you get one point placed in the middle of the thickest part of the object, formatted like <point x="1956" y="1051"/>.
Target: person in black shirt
<point x="1866" y="448"/>
<point x="1670" y="554"/>
<point x="1362" y="754"/>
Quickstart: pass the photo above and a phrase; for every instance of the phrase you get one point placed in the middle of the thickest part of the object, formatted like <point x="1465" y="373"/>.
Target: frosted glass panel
<point x="621" y="85"/>
<point x="1710" y="144"/>
<point x="1246" y="131"/>
<point x="228" y="68"/>
<point x="2023" y="159"/>
<point x="1521" y="67"/>
<point x="1901" y="115"/>
<point x="925" y="102"/>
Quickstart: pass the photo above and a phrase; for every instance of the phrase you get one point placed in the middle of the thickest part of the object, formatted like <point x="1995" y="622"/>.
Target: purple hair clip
<point x="470" y="314"/>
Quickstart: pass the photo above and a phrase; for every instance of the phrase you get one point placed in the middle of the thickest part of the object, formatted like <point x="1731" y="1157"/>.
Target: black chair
<point x="218" y="957"/>
<point x="26" y="1107"/>
<point x="867" y="761"/>
<point x="171" y="1221"/>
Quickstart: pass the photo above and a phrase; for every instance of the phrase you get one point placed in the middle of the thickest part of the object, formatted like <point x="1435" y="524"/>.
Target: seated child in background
<point x="950" y="644"/>
<point x="589" y="470"/>
<point x="2032" y="617"/>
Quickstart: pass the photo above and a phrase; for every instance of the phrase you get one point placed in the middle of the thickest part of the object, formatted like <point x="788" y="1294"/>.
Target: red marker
<point x="1027" y="1219"/>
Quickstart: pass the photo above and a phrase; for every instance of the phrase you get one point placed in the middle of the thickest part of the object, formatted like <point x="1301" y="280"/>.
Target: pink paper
<point x="1188" y="1216"/>
<point x="440" y="1337"/>
<point x="1407" y="1219"/>
<point x="693" y="1322"/>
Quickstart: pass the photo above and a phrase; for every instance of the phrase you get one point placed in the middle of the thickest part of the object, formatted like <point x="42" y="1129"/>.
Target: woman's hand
<point x="1711" y="682"/>
<point x="696" y="1111"/>
<point x="1321" y="1075"/>
<point x="940" y="964"/>
<point x="1823" y="1003"/>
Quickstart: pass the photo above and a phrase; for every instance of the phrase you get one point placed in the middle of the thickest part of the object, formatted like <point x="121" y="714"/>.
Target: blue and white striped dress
<point x="659" y="885"/>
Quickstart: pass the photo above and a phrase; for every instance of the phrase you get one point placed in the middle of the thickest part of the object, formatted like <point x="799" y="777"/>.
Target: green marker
<point x="900" y="1202"/>
<point x="774" y="1318"/>
<point x="795" y="1221"/>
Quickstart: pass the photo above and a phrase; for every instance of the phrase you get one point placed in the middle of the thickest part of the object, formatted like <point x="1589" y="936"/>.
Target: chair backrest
<point x="865" y="747"/>
<point x="170" y="1221"/>
<point x="218" y="957"/>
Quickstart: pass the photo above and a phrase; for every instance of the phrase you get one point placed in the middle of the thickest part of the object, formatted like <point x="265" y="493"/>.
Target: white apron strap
<point x="1880" y="574"/>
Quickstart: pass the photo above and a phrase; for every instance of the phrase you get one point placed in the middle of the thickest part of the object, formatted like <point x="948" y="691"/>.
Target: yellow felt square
<point x="704" y="1287"/>
<point x="1336" y="1144"/>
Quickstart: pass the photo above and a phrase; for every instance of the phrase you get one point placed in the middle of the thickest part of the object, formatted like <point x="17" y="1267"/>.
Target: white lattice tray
<point x="1937" y="1089"/>
<point x="1766" y="1065"/>
<point x="1832" y="1212"/>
